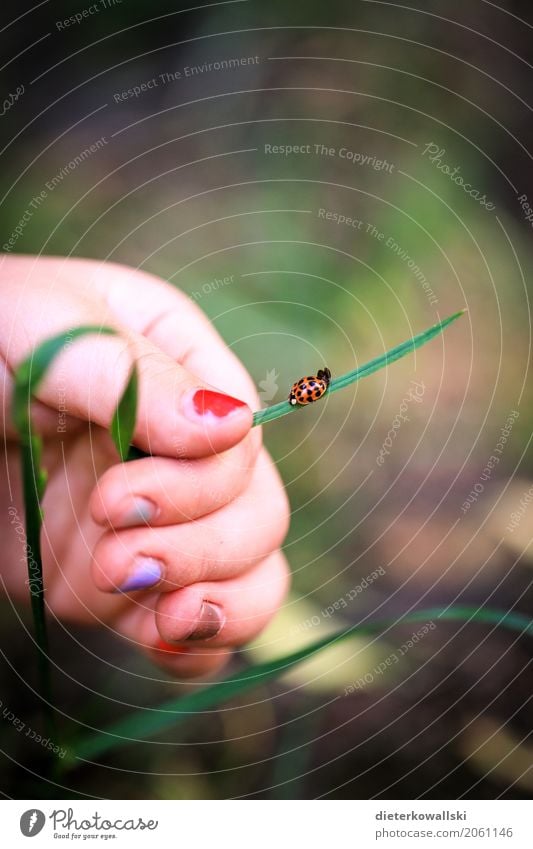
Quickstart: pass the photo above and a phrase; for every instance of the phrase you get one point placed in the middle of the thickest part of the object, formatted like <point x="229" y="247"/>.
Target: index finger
<point x="172" y="321"/>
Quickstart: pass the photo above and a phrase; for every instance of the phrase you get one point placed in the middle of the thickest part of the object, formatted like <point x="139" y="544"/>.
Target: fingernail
<point x="209" y="622"/>
<point x="146" y="572"/>
<point x="139" y="511"/>
<point x="204" y="402"/>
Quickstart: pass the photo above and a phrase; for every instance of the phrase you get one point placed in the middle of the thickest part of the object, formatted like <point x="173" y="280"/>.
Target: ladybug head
<point x="325" y="375"/>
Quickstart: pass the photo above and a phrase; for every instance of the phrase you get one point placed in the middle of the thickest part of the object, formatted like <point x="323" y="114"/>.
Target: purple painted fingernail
<point x="140" y="511"/>
<point x="146" y="572"/>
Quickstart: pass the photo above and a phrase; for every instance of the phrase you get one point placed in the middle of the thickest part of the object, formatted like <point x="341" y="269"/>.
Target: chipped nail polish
<point x="209" y="623"/>
<point x="205" y="402"/>
<point x="140" y="511"/>
<point x="146" y="572"/>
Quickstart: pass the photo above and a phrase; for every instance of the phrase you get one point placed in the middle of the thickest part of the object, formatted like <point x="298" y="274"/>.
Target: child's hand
<point x="169" y="551"/>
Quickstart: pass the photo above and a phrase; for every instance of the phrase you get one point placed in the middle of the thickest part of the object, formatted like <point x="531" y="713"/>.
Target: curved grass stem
<point x="283" y="408"/>
<point x="143" y="724"/>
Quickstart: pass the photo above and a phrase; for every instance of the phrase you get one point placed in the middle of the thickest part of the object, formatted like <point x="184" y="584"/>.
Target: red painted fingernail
<point x="205" y="401"/>
<point x="161" y="645"/>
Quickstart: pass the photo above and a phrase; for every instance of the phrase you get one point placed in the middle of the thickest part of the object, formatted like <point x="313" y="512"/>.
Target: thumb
<point x="178" y="414"/>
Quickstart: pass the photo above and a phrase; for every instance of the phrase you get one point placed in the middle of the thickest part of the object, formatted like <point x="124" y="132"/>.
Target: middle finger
<point x="216" y="547"/>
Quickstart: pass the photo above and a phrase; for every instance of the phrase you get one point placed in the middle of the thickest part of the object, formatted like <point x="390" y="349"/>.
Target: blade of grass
<point x="32" y="370"/>
<point x="283" y="408"/>
<point x="143" y="724"/>
<point x="27" y="379"/>
<point x="269" y="414"/>
<point x="123" y="423"/>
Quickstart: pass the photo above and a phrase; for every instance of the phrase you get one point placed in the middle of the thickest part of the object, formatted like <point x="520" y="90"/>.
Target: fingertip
<point x="186" y="662"/>
<point x="225" y="612"/>
<point x="138" y="626"/>
<point x="177" y="614"/>
<point x="98" y="506"/>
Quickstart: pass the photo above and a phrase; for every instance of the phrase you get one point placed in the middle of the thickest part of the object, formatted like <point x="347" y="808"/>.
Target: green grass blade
<point x="283" y="408"/>
<point x="27" y="379"/>
<point x="123" y="423"/>
<point x="32" y="370"/>
<point x="143" y="724"/>
<point x="33" y="489"/>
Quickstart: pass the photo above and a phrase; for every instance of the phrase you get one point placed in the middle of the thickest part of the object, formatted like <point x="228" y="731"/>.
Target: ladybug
<point x="309" y="389"/>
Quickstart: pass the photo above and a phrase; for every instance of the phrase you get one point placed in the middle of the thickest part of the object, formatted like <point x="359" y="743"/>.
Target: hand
<point x="178" y="552"/>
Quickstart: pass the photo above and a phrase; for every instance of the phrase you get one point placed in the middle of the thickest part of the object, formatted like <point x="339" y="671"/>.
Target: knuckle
<point x="281" y="509"/>
<point x="284" y="509"/>
<point x="285" y="575"/>
<point x="243" y="460"/>
<point x="204" y="567"/>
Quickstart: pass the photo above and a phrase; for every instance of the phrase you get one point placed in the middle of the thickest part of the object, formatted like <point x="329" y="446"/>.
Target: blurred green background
<point x="183" y="187"/>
